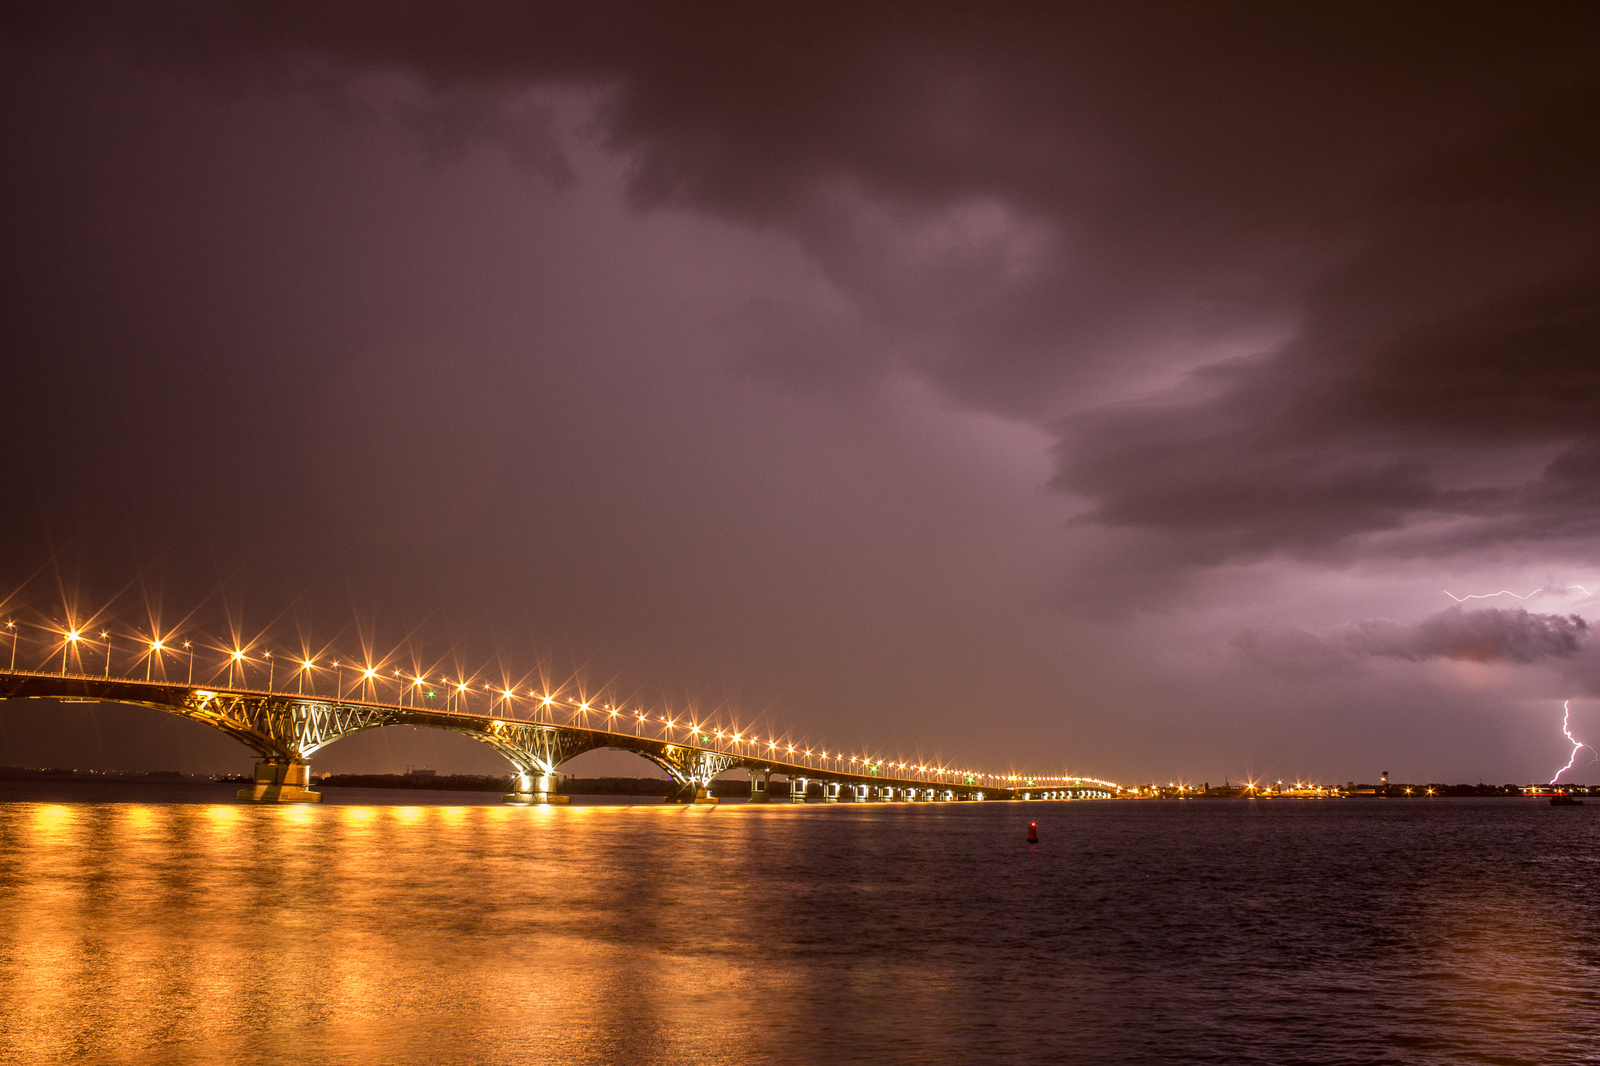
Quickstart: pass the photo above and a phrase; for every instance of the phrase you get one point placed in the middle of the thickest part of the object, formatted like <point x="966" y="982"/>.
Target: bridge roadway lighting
<point x="105" y="636"/>
<point x="72" y="638"/>
<point x="13" y="627"/>
<point x="271" y="668"/>
<point x="300" y="678"/>
<point x="155" y="650"/>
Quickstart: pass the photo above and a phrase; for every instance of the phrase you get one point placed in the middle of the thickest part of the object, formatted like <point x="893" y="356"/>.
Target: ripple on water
<point x="1272" y="932"/>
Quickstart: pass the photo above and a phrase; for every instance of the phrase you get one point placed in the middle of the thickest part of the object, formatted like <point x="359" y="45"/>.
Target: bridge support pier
<point x="281" y="782"/>
<point x="759" y="780"/>
<point x="797" y="789"/>
<point x="535" y="791"/>
<point x="693" y="792"/>
<point x="830" y="792"/>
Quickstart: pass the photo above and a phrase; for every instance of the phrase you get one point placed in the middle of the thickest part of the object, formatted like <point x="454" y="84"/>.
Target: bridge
<point x="286" y="729"/>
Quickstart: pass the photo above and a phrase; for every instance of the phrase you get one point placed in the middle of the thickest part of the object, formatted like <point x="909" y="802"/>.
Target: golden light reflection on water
<point x="203" y="933"/>
<point x="151" y="933"/>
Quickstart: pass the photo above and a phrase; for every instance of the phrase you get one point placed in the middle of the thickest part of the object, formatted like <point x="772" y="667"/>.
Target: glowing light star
<point x="1566" y="719"/>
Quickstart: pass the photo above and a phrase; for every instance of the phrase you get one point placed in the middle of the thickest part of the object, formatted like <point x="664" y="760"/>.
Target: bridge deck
<point x="289" y="726"/>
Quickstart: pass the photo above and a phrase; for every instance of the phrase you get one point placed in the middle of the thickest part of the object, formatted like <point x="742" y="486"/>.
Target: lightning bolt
<point x="1566" y="718"/>
<point x="1508" y="592"/>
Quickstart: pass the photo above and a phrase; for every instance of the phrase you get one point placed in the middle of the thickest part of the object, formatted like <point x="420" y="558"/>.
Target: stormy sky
<point x="1150" y="391"/>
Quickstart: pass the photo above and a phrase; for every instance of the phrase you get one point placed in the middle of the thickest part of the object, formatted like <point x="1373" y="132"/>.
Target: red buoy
<point x="1033" y="832"/>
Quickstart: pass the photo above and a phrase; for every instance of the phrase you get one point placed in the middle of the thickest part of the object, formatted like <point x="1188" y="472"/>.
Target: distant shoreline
<point x="659" y="787"/>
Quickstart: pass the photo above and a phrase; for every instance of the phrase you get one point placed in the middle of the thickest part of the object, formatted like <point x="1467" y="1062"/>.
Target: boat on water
<point x="1565" y="801"/>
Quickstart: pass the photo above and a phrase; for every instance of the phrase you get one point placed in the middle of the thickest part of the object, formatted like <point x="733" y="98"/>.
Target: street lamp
<point x="235" y="658"/>
<point x="13" y="627"/>
<point x="189" y="647"/>
<point x="300" y="677"/>
<point x="271" y="670"/>
<point x="155" y="650"/>
<point x="72" y="639"/>
<point x="106" y="636"/>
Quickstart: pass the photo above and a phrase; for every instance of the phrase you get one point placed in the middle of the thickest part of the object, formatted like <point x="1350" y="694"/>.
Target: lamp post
<point x="149" y="660"/>
<point x="13" y="627"/>
<point x="188" y="646"/>
<point x="271" y="668"/>
<point x="106" y="636"/>
<point x="338" y="685"/>
<point x="72" y="638"/>
<point x="300" y="677"/>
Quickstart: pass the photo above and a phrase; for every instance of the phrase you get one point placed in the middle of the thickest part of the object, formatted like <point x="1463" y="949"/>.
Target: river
<point x="1272" y="931"/>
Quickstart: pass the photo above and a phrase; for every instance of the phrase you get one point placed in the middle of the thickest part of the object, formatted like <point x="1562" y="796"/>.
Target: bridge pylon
<point x="281" y="782"/>
<point x="691" y="770"/>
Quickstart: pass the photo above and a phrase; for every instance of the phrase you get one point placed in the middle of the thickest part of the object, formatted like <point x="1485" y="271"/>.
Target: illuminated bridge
<point x="286" y="729"/>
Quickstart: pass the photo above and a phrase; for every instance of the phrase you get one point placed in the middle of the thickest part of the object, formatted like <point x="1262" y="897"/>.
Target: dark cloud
<point x="1482" y="636"/>
<point x="1039" y="204"/>
<point x="1486" y="636"/>
<point x="1313" y="287"/>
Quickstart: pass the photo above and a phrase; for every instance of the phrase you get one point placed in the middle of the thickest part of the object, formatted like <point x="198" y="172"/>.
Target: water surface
<point x="1316" y="931"/>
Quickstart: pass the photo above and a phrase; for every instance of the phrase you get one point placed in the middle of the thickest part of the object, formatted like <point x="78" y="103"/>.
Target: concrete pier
<point x="692" y="794"/>
<point x="536" y="791"/>
<point x="281" y="783"/>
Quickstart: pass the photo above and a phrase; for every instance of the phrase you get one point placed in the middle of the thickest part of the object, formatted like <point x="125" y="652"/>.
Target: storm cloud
<point x="1360" y="239"/>
<point x="1483" y="636"/>
<point x="1014" y="333"/>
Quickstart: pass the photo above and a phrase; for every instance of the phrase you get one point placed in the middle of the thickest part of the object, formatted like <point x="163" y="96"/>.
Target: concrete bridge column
<point x="535" y="789"/>
<point x="281" y="782"/>
<point x="691" y="792"/>
<point x="759" y="780"/>
<point x="830" y="792"/>
<point x="797" y="789"/>
<point x="859" y="793"/>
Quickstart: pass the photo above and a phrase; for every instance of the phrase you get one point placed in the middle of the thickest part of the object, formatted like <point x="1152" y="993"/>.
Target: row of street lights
<point x="154" y="651"/>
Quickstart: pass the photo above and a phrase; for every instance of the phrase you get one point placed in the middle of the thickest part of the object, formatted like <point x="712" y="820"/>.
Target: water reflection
<point x="1289" y="933"/>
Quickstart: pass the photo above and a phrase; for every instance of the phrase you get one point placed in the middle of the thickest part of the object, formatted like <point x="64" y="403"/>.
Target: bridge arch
<point x="286" y="730"/>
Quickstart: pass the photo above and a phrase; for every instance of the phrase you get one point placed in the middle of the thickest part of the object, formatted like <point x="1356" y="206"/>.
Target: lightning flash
<point x="1566" y="721"/>
<point x="1508" y="592"/>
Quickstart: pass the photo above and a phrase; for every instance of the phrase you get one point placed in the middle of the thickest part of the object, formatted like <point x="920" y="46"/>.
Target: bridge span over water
<point x="286" y="729"/>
